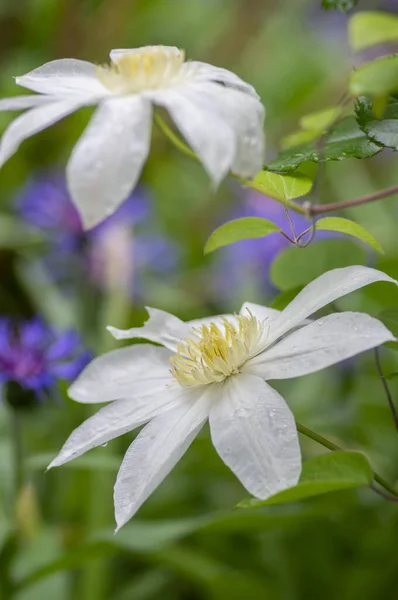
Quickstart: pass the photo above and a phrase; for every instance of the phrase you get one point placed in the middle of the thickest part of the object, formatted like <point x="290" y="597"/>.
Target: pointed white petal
<point x="244" y="115"/>
<point x="325" y="289"/>
<point x="107" y="160"/>
<point x="254" y="432"/>
<point x="22" y="102"/>
<point x="322" y="343"/>
<point x="208" y="134"/>
<point x="205" y="72"/>
<point x="31" y="122"/>
<point x="118" y="418"/>
<point x="155" y="451"/>
<point x="161" y="328"/>
<point x="140" y="369"/>
<point x="64" y="77"/>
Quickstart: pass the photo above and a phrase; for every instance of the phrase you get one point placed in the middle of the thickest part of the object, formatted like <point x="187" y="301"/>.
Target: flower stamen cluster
<point x="215" y="353"/>
<point x="146" y="69"/>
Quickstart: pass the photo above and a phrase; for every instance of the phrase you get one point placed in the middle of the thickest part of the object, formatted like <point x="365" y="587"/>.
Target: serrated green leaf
<point x="381" y="130"/>
<point x="283" y="187"/>
<point x="296" y="267"/>
<point x="239" y="229"/>
<point x="351" y="228"/>
<point x="376" y="78"/>
<point x="370" y="28"/>
<point x="346" y="140"/>
<point x="342" y="5"/>
<point x="321" y="475"/>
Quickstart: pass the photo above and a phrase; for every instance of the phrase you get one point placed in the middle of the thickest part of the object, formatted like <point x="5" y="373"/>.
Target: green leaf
<point x="239" y="229"/>
<point x="321" y="475"/>
<point x="283" y="187"/>
<point x="342" y="5"/>
<point x="346" y="140"/>
<point x="312" y="126"/>
<point x="376" y="78"/>
<point x="320" y="120"/>
<point x="93" y="461"/>
<point x="284" y="298"/>
<point x="15" y="235"/>
<point x="296" y="267"/>
<point x="384" y="130"/>
<point x="298" y="137"/>
<point x="370" y="28"/>
<point x="389" y="316"/>
<point x="145" y="537"/>
<point x="349" y="228"/>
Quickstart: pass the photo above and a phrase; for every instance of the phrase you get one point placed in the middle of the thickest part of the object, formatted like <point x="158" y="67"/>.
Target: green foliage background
<point x="186" y="543"/>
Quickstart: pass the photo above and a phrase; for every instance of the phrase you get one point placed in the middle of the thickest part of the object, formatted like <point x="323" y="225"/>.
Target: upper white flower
<point x="216" y="369"/>
<point x="219" y="115"/>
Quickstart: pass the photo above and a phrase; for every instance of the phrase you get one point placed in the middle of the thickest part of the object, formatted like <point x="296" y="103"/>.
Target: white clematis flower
<point x="220" y="116"/>
<point x="216" y="369"/>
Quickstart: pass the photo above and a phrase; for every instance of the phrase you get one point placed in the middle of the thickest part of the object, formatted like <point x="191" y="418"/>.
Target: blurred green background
<point x="187" y="542"/>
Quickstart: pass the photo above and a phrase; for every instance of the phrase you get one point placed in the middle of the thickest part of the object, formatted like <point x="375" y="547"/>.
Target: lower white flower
<point x="216" y="369"/>
<point x="219" y="115"/>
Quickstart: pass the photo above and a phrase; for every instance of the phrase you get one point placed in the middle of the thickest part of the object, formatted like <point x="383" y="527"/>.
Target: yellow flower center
<point x="214" y="352"/>
<point x="146" y="69"/>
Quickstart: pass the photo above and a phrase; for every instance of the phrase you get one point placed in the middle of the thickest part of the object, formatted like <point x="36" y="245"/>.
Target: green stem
<point x="17" y="450"/>
<point x="334" y="447"/>
<point x="178" y="143"/>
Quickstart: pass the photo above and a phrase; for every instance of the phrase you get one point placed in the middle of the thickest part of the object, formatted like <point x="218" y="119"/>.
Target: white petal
<point x="254" y="432"/>
<point x="64" y="77"/>
<point x="208" y="134"/>
<point x="107" y="160"/>
<point x="31" y="122"/>
<point x="244" y="114"/>
<point x="118" y="418"/>
<point x="140" y="369"/>
<point x="22" y="102"/>
<point x="320" y="292"/>
<point x="161" y="328"/>
<point x="155" y="451"/>
<point x="322" y="343"/>
<point x="205" y="72"/>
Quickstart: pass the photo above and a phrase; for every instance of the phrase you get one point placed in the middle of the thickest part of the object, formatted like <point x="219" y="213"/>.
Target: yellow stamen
<point x="213" y="354"/>
<point x="146" y="69"/>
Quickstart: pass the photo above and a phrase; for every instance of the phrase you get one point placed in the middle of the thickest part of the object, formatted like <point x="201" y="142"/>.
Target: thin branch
<point x="383" y="494"/>
<point x="334" y="447"/>
<point x="333" y="206"/>
<point x="386" y="388"/>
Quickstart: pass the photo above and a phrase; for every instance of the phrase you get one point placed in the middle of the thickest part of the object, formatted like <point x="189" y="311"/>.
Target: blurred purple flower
<point x="36" y="357"/>
<point x="111" y="254"/>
